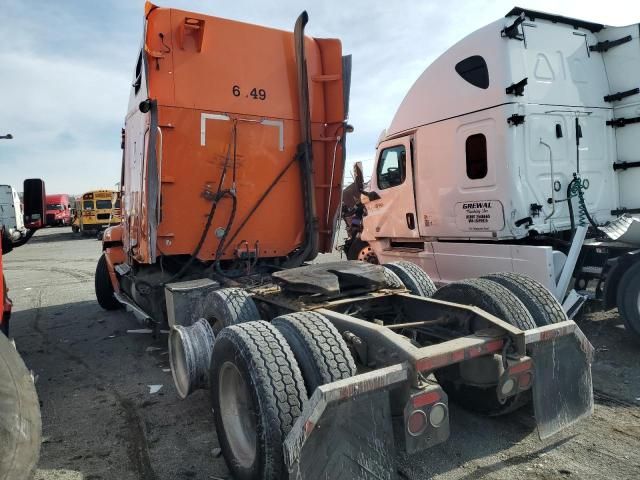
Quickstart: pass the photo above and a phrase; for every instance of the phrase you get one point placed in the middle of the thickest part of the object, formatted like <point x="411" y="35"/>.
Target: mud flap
<point x="345" y="431"/>
<point x="562" y="388"/>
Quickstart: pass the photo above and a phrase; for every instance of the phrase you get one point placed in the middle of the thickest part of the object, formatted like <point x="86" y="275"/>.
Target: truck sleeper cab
<point x="506" y="146"/>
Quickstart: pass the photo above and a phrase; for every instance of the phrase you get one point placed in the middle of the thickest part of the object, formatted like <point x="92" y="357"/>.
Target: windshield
<point x="54" y="206"/>
<point x="103" y="204"/>
<point x="87" y="204"/>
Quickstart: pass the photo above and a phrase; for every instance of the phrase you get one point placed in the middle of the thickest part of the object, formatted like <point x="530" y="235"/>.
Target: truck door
<point x="393" y="214"/>
<point x="621" y="56"/>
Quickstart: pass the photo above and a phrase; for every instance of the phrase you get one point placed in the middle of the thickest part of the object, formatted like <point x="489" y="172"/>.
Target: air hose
<point x="576" y="188"/>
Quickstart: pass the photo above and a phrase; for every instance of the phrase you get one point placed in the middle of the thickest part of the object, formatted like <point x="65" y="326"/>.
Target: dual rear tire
<point x="261" y="376"/>
<point x="514" y="298"/>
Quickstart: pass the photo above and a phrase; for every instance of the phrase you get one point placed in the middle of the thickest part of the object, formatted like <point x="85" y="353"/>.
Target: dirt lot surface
<point x="101" y="420"/>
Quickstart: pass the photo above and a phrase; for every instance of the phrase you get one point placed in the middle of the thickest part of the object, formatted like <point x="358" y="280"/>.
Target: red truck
<point x="58" y="210"/>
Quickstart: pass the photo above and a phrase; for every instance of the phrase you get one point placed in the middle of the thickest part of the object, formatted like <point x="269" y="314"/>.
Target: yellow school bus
<point x="96" y="210"/>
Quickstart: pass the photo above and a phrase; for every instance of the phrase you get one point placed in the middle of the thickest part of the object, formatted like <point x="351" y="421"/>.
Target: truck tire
<point x="413" y="277"/>
<point x="4" y="326"/>
<point x="321" y="352"/>
<point x="490" y="296"/>
<point x="104" y="288"/>
<point x="392" y="280"/>
<point x="20" y="422"/>
<point x="540" y="302"/>
<point x="629" y="300"/>
<point x="257" y="392"/>
<point x="497" y="300"/>
<point x="230" y="306"/>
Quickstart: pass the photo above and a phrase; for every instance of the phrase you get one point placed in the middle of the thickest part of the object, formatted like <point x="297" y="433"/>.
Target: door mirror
<point x="358" y="180"/>
<point x="358" y="176"/>
<point x="34" y="203"/>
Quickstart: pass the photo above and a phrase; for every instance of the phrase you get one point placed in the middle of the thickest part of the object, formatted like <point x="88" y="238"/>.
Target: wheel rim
<point x="238" y="415"/>
<point x="368" y="255"/>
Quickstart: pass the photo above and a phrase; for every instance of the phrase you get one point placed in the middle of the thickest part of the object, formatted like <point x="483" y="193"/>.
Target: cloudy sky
<point x="66" y="67"/>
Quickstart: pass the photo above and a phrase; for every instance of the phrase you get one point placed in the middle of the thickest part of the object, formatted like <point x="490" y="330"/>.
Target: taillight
<point x="426" y="418"/>
<point x="417" y="423"/>
<point x="517" y="377"/>
<point x="438" y="415"/>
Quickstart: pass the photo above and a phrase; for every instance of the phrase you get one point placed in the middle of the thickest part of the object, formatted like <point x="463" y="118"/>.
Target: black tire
<point x="75" y="229"/>
<point x="540" y="302"/>
<point x="413" y="277"/>
<point x="490" y="296"/>
<point x="4" y="326"/>
<point x="321" y="352"/>
<point x="20" y="422"/>
<point x="104" y="288"/>
<point x="392" y="280"/>
<point x="628" y="300"/>
<point x="229" y="306"/>
<point x="251" y="431"/>
<point x="497" y="300"/>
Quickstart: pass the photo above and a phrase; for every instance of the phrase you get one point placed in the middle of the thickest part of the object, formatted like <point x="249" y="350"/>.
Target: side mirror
<point x="358" y="177"/>
<point x="34" y="203"/>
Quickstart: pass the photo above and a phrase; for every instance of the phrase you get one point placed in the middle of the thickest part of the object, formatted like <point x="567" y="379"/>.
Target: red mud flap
<point x="562" y="387"/>
<point x="345" y="430"/>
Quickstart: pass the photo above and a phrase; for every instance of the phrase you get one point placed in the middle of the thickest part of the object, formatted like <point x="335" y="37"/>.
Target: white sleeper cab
<point x="514" y="151"/>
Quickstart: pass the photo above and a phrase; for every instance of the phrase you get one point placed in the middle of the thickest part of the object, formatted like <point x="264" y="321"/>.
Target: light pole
<point x="8" y="136"/>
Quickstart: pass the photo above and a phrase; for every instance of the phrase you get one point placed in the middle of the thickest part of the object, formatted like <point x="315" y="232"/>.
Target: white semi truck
<point x="516" y="151"/>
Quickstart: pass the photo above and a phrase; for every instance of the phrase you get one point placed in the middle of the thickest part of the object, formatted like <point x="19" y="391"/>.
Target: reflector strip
<point x="426" y="398"/>
<point x="520" y="367"/>
<point x="458" y="355"/>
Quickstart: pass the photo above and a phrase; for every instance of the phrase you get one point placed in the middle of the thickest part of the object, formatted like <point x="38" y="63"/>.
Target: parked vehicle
<point x="514" y="151"/>
<point x="98" y="210"/>
<point x="20" y="422"/>
<point x="310" y="367"/>
<point x="58" y="210"/>
<point x="11" y="215"/>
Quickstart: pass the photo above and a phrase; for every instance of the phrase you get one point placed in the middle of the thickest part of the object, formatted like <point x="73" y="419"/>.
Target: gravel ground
<point x="101" y="421"/>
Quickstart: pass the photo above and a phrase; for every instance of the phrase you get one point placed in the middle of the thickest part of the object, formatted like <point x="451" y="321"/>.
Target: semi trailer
<point x="20" y="422"/>
<point x="232" y="172"/>
<point x="514" y="151"/>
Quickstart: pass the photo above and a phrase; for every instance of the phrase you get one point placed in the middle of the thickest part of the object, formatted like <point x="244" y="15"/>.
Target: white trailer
<point x="11" y="214"/>
<point x="513" y="146"/>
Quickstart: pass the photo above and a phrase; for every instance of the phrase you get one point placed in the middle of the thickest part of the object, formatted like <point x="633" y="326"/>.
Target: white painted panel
<point x="457" y="261"/>
<point x="560" y="68"/>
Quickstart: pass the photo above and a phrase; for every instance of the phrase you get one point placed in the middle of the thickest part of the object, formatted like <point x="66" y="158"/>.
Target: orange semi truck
<point x="232" y="172"/>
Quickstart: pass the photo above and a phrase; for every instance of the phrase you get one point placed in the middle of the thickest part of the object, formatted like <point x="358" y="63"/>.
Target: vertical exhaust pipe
<point x="304" y="155"/>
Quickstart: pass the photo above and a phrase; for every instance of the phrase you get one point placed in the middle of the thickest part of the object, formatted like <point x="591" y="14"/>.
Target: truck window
<point x="391" y="167"/>
<point x="103" y="204"/>
<point x="476" y="153"/>
<point x="474" y="70"/>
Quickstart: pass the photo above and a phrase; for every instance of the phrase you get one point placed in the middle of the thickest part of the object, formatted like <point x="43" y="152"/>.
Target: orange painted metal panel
<point x="211" y="77"/>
